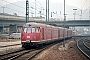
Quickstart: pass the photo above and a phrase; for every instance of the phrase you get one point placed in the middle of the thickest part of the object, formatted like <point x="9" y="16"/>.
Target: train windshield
<point x="25" y="29"/>
<point x="37" y="29"/>
<point x="32" y="29"/>
<point x="29" y="30"/>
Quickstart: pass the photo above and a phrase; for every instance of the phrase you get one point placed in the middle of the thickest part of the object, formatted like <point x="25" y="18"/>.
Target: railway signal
<point x="27" y="11"/>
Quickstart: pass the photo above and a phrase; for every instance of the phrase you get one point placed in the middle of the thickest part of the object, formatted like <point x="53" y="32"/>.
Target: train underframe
<point x="38" y="44"/>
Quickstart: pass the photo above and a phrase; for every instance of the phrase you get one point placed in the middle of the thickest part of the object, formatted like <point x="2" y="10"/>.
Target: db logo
<point x="34" y="37"/>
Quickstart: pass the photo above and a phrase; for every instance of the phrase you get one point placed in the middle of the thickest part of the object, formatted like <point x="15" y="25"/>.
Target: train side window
<point x="33" y="30"/>
<point x="37" y="29"/>
<point x="29" y="30"/>
<point x="25" y="29"/>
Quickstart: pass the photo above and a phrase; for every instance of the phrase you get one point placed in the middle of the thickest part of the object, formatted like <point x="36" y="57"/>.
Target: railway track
<point x="23" y="54"/>
<point x="9" y="45"/>
<point x="83" y="48"/>
<point x="3" y="54"/>
<point x="13" y="55"/>
<point x="34" y="53"/>
<point x="31" y="55"/>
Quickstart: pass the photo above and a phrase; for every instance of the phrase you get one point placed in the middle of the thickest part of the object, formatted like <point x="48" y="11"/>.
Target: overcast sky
<point x="83" y="4"/>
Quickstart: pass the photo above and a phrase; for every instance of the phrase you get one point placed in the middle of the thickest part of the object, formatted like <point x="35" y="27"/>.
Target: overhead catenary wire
<point x="83" y="7"/>
<point x="41" y="5"/>
<point x="84" y="4"/>
<point x="23" y="2"/>
<point x="13" y="9"/>
<point x="38" y="7"/>
<point x="13" y="4"/>
<point x="86" y="9"/>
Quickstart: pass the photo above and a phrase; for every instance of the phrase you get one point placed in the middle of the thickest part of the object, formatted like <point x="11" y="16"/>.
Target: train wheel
<point x="23" y="46"/>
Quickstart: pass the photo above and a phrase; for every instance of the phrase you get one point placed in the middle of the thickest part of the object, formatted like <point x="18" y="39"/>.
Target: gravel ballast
<point x="58" y="52"/>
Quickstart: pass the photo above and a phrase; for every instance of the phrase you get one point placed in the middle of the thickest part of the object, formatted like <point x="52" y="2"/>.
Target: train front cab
<point x="30" y="36"/>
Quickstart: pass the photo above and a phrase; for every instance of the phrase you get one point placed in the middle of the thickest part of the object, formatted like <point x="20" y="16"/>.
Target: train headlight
<point x="27" y="41"/>
<point x="28" y="36"/>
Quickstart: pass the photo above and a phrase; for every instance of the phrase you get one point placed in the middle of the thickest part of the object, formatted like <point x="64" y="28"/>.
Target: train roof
<point x="37" y="24"/>
<point x="42" y="25"/>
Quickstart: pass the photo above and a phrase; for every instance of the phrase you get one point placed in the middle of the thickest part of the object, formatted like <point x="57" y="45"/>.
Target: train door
<point x="58" y="33"/>
<point x="23" y="33"/>
<point x="42" y="33"/>
<point x="36" y="33"/>
<point x="67" y="32"/>
<point x="51" y="33"/>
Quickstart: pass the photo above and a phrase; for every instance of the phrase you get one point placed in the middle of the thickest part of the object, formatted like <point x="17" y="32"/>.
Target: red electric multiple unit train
<point x="34" y="34"/>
